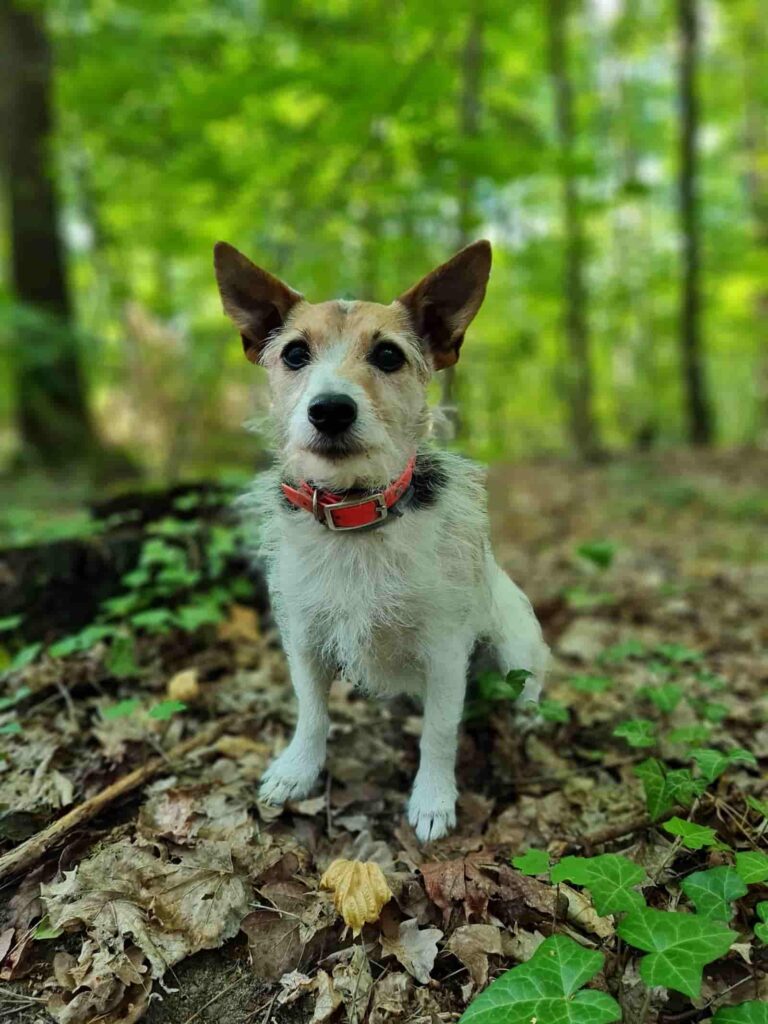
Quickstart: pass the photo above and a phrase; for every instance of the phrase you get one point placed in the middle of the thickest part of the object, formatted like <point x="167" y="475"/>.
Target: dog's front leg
<point x="294" y="773"/>
<point x="432" y="807"/>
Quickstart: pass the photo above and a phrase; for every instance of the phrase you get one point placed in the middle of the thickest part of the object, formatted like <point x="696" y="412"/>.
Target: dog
<point x="376" y="543"/>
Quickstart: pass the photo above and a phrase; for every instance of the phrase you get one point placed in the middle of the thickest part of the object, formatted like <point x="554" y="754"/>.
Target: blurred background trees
<point x="615" y="152"/>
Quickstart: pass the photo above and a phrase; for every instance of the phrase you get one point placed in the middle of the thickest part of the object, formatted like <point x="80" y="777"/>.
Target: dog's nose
<point x="332" y="414"/>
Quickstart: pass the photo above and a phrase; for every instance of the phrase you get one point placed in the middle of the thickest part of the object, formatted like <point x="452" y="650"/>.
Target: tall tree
<point x="578" y="368"/>
<point x="53" y="420"/>
<point x="698" y="407"/>
<point x="470" y="93"/>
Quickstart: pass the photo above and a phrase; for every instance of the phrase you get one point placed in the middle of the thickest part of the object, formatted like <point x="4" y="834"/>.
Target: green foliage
<point x="554" y="711"/>
<point x="45" y="931"/>
<point x="532" y="862"/>
<point x="761" y="930"/>
<point x="638" y="732"/>
<point x="599" y="552"/>
<point x="10" y="729"/>
<point x="10" y="623"/>
<point x="590" y="684"/>
<point x="122" y="709"/>
<point x="665" y="697"/>
<point x="752" y="1012"/>
<point x="691" y="835"/>
<point x="622" y="652"/>
<point x="712" y="892"/>
<point x="121" y="657"/>
<point x="752" y="866"/>
<point x="610" y="878"/>
<point x="678" y="654"/>
<point x="492" y="687"/>
<point x="712" y="763"/>
<point x="547" y="989"/>
<point x="14" y="698"/>
<point x="679" y="946"/>
<point x="166" y="710"/>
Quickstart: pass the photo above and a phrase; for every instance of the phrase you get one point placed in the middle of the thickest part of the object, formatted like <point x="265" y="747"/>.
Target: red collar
<point x="353" y="514"/>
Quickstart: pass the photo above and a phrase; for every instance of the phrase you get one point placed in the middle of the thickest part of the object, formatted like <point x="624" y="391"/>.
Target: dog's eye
<point x="387" y="357"/>
<point x="296" y="354"/>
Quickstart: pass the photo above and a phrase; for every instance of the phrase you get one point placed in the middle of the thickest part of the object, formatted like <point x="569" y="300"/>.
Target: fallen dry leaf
<point x="472" y="944"/>
<point x="241" y="626"/>
<point x="359" y="891"/>
<point x="328" y="998"/>
<point x="460" y="880"/>
<point x="391" y="998"/>
<point x="415" y="948"/>
<point x="353" y="981"/>
<point x="184" y="686"/>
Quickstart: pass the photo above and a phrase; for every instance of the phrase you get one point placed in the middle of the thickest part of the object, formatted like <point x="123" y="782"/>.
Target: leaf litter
<point x="561" y="840"/>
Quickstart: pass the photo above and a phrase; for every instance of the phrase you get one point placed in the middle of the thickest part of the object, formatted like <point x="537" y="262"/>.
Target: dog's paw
<point x="432" y="811"/>
<point x="286" y="779"/>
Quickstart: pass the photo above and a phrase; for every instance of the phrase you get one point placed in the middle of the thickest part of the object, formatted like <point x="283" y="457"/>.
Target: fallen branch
<point x="32" y="849"/>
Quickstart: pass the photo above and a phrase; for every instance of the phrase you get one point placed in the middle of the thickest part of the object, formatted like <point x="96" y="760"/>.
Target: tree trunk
<point x="469" y="125"/>
<point x="53" y="421"/>
<point x="697" y="404"/>
<point x="578" y="368"/>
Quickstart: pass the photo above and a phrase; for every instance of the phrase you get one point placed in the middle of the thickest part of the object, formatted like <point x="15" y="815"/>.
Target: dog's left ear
<point x="256" y="301"/>
<point x="444" y="303"/>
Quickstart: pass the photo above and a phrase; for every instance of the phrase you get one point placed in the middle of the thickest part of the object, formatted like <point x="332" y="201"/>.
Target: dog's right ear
<point x="257" y="302"/>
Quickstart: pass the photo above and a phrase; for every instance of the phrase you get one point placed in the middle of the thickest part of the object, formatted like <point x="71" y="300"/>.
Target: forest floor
<point x="184" y="901"/>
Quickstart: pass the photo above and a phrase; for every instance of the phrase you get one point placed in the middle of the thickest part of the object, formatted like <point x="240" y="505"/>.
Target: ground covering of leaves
<point x="614" y="843"/>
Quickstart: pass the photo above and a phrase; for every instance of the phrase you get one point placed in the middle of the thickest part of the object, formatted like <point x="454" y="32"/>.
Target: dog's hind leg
<point x="294" y="773"/>
<point x="515" y="632"/>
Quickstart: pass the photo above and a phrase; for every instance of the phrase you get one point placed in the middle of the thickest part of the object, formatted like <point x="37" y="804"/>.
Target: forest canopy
<point x="615" y="153"/>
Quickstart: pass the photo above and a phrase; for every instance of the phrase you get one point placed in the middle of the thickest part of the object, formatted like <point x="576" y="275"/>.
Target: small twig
<point x="30" y="851"/>
<point x="213" y="999"/>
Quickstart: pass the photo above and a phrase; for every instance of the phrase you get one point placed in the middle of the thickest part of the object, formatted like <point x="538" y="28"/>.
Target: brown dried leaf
<point x="184" y="686"/>
<point x="472" y="944"/>
<point x="359" y="891"/>
<point x="242" y="626"/>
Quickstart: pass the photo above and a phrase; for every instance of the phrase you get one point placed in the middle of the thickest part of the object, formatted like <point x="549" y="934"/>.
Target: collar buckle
<point x="380" y="512"/>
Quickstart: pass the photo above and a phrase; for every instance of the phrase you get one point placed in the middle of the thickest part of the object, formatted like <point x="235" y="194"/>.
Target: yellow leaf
<point x="241" y="626"/>
<point x="359" y="891"/>
<point x="184" y="686"/>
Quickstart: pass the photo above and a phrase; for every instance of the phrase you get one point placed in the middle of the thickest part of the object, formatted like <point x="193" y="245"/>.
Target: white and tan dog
<point x="376" y="544"/>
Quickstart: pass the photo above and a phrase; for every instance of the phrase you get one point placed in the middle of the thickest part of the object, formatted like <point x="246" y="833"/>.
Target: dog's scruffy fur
<point x="398" y="608"/>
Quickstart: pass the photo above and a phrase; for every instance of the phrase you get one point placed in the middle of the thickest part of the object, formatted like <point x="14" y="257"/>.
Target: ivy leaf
<point x="598" y="552"/>
<point x="712" y="763"/>
<point x="761" y="930"/>
<point x="548" y="989"/>
<point x="665" y="697"/>
<point x="15" y="698"/>
<point x="752" y="866"/>
<point x="45" y="930"/>
<point x="677" y="653"/>
<point x="121" y="657"/>
<point x="679" y="946"/>
<point x="590" y="684"/>
<point x="638" y="732"/>
<point x="713" y="891"/>
<point x="654" y="779"/>
<point x="690" y="735"/>
<point x="692" y="836"/>
<point x="610" y="878"/>
<point x="10" y="729"/>
<point x="554" y="711"/>
<point x="620" y="652"/>
<point x="753" y="1012"/>
<point x="166" y="709"/>
<point x="682" y="787"/>
<point x="532" y="862"/>
<point x="122" y="709"/>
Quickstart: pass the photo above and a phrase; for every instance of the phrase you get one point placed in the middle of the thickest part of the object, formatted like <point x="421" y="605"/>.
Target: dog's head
<point x="348" y="380"/>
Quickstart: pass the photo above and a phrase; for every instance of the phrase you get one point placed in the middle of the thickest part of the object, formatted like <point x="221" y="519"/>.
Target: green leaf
<point x="677" y="653"/>
<point x="45" y="931"/>
<point x="712" y="763"/>
<point x="590" y="684"/>
<point x="494" y="686"/>
<point x="532" y="862"/>
<point x="692" y="836"/>
<point x="553" y="711"/>
<point x="620" y="652"/>
<point x="712" y="892"/>
<point x="598" y="552"/>
<point x="682" y="787"/>
<point x="680" y="945"/>
<point x="154" y="620"/>
<point x="761" y="806"/>
<point x="167" y="709"/>
<point x="665" y="697"/>
<point x="638" y="732"/>
<point x="753" y="1012"/>
<point x="15" y="698"/>
<point x="690" y="735"/>
<point x="122" y="709"/>
<point x="547" y="989"/>
<point x="653" y="776"/>
<point x="10" y="622"/>
<point x="761" y="930"/>
<point x="752" y="866"/>
<point x="121" y="657"/>
<point x="82" y="641"/>
<point x="25" y="657"/>
<point x="609" y="877"/>
<point x="10" y="729"/>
